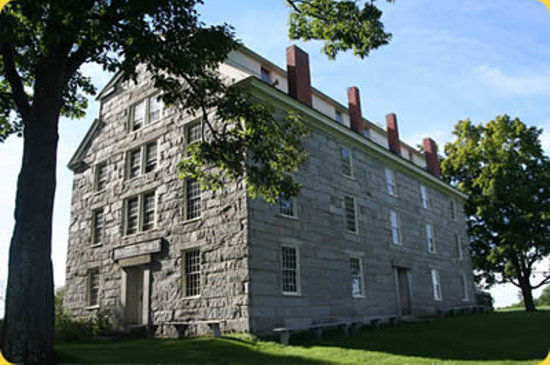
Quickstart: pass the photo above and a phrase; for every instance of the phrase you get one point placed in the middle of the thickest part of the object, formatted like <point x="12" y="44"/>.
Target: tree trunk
<point x="29" y="320"/>
<point x="527" y="293"/>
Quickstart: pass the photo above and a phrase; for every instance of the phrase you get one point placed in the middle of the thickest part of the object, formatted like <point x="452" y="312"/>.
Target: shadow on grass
<point x="496" y="336"/>
<point x="225" y="350"/>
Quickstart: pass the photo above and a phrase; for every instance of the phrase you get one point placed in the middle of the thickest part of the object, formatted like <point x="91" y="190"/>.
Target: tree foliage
<point x="504" y="171"/>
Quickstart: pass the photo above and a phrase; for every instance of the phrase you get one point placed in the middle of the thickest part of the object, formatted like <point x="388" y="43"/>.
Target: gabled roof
<point x="109" y="88"/>
<point x="76" y="163"/>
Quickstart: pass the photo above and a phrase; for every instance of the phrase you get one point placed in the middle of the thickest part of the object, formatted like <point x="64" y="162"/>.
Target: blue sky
<point x="448" y="60"/>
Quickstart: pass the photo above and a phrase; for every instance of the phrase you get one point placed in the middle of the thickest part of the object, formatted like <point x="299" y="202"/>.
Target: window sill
<point x="359" y="297"/>
<point x="291" y="217"/>
<point x="432" y="252"/>
<point x="192" y="297"/>
<point x="349" y="177"/>
<point x="187" y="221"/>
<point x="288" y="294"/>
<point x="92" y="307"/>
<point x="356" y="233"/>
<point x="96" y="245"/>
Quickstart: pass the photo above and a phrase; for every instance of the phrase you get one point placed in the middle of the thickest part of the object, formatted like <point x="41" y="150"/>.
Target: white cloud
<point x="528" y="84"/>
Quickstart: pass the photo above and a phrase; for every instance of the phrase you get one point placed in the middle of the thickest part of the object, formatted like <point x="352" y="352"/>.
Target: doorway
<point x="134" y="296"/>
<point x="403" y="291"/>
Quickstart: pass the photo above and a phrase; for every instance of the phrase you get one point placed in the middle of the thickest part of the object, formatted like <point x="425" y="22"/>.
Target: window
<point x="289" y="267"/>
<point x="350" y="215"/>
<point x="390" y="182"/>
<point x="345" y="159"/>
<point x="430" y="238"/>
<point x="155" y="109"/>
<point x="452" y="206"/>
<point x="338" y="116"/>
<point x="139" y="115"/>
<point x="192" y="273"/>
<point x="192" y="199"/>
<point x="101" y="176"/>
<point x="424" y="194"/>
<point x="436" y="285"/>
<point x="140" y="213"/>
<point x="395" y="231"/>
<point x="97" y="226"/>
<point x="265" y="75"/>
<point x="145" y="112"/>
<point x="193" y="133"/>
<point x="465" y="296"/>
<point x="150" y="157"/>
<point x="93" y="287"/>
<point x="142" y="160"/>
<point x="356" y="265"/>
<point x="148" y="212"/>
<point x="458" y="243"/>
<point x="287" y="206"/>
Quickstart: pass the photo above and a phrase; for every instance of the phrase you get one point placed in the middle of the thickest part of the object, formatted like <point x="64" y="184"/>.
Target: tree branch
<point x="546" y="280"/>
<point x="17" y="88"/>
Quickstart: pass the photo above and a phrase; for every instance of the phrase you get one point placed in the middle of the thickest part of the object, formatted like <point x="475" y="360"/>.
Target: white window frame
<point x="185" y="274"/>
<point x="293" y="201"/>
<point x="453" y="210"/>
<point x="356" y="222"/>
<point x="89" y="274"/>
<point x="424" y="197"/>
<point x="98" y="241"/>
<point x="185" y="202"/>
<point x="296" y="270"/>
<point x="395" y="228"/>
<point x="436" y="285"/>
<point x="391" y="186"/>
<point x="339" y="116"/>
<point x="343" y="164"/>
<point x="361" y="277"/>
<point x="146" y="119"/>
<point x="142" y="159"/>
<point x="187" y="128"/>
<point x="141" y="212"/>
<point x="96" y="176"/>
<point x="458" y="243"/>
<point x="265" y="75"/>
<point x="465" y="291"/>
<point x="429" y="230"/>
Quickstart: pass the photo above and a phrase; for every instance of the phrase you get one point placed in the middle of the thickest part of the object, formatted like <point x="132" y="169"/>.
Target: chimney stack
<point x="432" y="160"/>
<point x="354" y="105"/>
<point x="393" y="134"/>
<point x="299" y="79"/>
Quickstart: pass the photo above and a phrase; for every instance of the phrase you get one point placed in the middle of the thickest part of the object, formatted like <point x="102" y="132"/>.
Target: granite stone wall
<point x="220" y="233"/>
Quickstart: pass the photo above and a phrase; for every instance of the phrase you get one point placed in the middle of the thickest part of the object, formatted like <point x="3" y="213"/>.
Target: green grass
<point x="510" y="337"/>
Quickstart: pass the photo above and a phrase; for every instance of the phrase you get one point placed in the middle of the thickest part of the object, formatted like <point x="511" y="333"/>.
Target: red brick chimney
<point x="393" y="133"/>
<point x="354" y="105"/>
<point x="432" y="160"/>
<point x="299" y="79"/>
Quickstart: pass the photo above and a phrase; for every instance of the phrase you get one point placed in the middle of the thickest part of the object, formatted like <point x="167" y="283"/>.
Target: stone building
<point x="374" y="230"/>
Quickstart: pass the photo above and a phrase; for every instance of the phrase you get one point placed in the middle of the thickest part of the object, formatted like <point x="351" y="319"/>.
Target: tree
<point x="503" y="169"/>
<point x="43" y="44"/>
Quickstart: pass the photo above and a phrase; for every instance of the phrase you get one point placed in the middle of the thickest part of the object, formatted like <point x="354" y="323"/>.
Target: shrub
<point x="69" y="328"/>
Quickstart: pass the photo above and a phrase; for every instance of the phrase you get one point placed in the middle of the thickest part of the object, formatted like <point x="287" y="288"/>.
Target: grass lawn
<point x="510" y="337"/>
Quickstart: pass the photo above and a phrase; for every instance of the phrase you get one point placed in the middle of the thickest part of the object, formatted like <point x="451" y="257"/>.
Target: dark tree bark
<point x="527" y="293"/>
<point x="29" y="320"/>
<point x="29" y="325"/>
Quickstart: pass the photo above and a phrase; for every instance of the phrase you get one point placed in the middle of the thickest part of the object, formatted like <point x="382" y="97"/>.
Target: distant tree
<point x="544" y="298"/>
<point x="504" y="171"/>
<point x="43" y="45"/>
